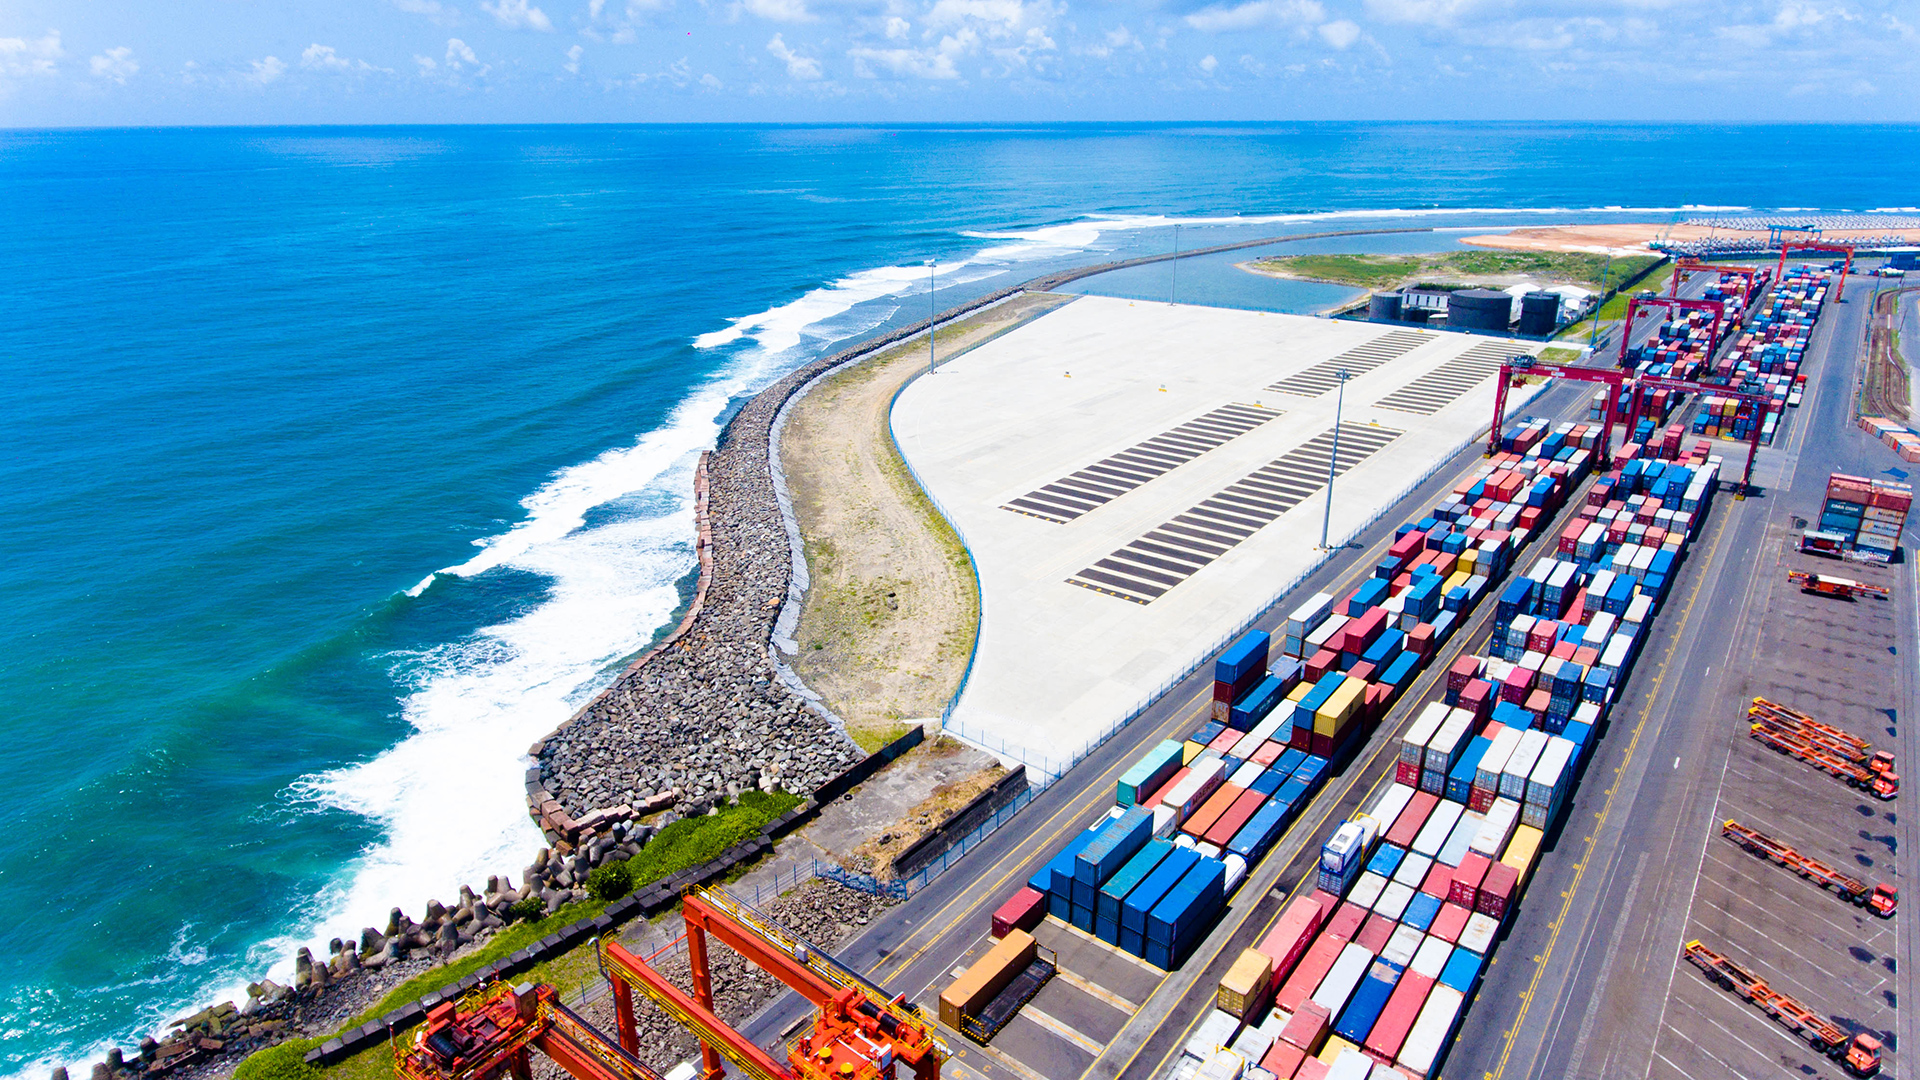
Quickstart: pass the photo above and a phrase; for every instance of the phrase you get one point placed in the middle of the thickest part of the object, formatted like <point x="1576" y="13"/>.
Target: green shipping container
<point x="1149" y="773"/>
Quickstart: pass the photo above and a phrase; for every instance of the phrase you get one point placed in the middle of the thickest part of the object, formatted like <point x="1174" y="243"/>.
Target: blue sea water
<point x="340" y="464"/>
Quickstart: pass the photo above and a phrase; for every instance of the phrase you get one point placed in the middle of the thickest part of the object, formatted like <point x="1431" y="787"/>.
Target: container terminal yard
<point x="1581" y="758"/>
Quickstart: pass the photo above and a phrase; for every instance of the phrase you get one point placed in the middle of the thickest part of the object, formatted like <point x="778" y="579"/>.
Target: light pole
<point x="1173" y="289"/>
<point x="1333" y="459"/>
<point x="1593" y="332"/>
<point x="929" y="316"/>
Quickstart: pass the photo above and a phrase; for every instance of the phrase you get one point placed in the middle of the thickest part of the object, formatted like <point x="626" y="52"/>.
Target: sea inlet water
<point x="340" y="464"/>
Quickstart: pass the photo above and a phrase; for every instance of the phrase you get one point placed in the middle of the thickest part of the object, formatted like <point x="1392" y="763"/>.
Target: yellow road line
<point x="1593" y="837"/>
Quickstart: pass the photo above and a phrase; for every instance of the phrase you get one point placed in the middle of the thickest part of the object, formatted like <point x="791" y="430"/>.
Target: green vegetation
<point x="1458" y="267"/>
<point x="685" y="843"/>
<point x="1559" y="355"/>
<point x="610" y="881"/>
<point x="286" y="1061"/>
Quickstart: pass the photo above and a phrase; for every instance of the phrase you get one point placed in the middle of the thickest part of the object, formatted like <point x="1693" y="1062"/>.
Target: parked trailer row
<point x="1882" y="900"/>
<point x="1859" y="1055"/>
<point x="1371" y="974"/>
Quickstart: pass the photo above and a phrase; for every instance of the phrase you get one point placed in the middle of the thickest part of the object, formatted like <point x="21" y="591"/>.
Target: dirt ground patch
<point x="890" y="613"/>
<point x="1625" y="239"/>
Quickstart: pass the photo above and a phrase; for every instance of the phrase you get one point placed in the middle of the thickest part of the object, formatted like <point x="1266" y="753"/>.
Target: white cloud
<point x="1219" y="18"/>
<point x="783" y="11"/>
<point x="1340" y="33"/>
<point x="266" y="71"/>
<point x="898" y="28"/>
<point x="323" y="56"/>
<point x="1421" y="12"/>
<point x="517" y="14"/>
<point x="573" y="59"/>
<point x="30" y="56"/>
<point x="1208" y="63"/>
<point x="711" y="82"/>
<point x="799" y="67"/>
<point x="428" y="65"/>
<point x="117" y="64"/>
<point x="1115" y="40"/>
<point x="443" y="14"/>
<point x="935" y="62"/>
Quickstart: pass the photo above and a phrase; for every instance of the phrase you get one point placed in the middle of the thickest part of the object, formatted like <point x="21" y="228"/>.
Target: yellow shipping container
<point x="1455" y="581"/>
<point x="1245" y="983"/>
<point x="1300" y="691"/>
<point x="1340" y="708"/>
<point x="1190" y="750"/>
<point x="1522" y="851"/>
<point x="1335" y="1047"/>
<point x="988" y="976"/>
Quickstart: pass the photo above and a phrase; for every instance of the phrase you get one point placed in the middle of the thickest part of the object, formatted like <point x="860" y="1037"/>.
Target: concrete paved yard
<point x="1136" y="479"/>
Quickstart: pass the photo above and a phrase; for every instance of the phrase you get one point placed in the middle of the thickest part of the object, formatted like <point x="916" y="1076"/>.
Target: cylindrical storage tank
<point x="1539" y="313"/>
<point x="1384" y="307"/>
<point x="1479" y="309"/>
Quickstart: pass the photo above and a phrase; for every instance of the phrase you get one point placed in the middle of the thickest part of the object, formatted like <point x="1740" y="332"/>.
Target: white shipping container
<point x="1164" y="820"/>
<point x="1224" y="1065"/>
<point x="1413" y="745"/>
<point x="1245" y="775"/>
<point x="1400" y="948"/>
<point x="1447" y="743"/>
<point x="1350" y="1065"/>
<point x="1394" y="900"/>
<point x="1345" y="974"/>
<point x="1236" y="872"/>
<point x="1202" y="779"/>
<point x="1184" y="840"/>
<point x="1502" y="816"/>
<point x="1367" y="890"/>
<point x="1614" y="656"/>
<point x="1351" y="842"/>
<point x="1253" y="1044"/>
<point x="1308" y="616"/>
<point x="1532" y="661"/>
<point x="1599" y="628"/>
<point x="1518" y="629"/>
<point x="1494" y="761"/>
<point x="1460" y="838"/>
<point x="1513" y="780"/>
<point x="1386" y="809"/>
<point x="1413" y="870"/>
<point x="1643" y="561"/>
<point x="1211" y="851"/>
<point x="1328" y="627"/>
<point x="1445" y="815"/>
<point x="1639" y="610"/>
<point x="1549" y="778"/>
<point x="1479" y="933"/>
<point x="1431" y="1031"/>
<point x="1431" y="958"/>
<point x="1216" y="1031"/>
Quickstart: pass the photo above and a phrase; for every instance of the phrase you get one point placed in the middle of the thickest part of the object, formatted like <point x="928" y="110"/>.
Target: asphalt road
<point x="1580" y="986"/>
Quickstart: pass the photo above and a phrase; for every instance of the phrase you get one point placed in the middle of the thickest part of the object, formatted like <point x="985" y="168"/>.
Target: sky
<point x="119" y="62"/>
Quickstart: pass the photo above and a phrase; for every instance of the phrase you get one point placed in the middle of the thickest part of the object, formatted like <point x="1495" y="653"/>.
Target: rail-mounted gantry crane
<point x="859" y="1033"/>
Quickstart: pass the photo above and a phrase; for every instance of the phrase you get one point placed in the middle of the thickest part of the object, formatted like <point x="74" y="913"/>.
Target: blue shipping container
<point x="1189" y="905"/>
<point x="1244" y="655"/>
<point x="1133" y="911"/>
<point x="1462" y="970"/>
<point x="1368" y="999"/>
<point x="1106" y="911"/>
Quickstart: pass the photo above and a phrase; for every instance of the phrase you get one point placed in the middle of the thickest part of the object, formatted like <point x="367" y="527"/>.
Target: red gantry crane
<point x="1523" y="365"/>
<point x="1818" y="245"/>
<point x="859" y="1034"/>
<point x="1673" y="305"/>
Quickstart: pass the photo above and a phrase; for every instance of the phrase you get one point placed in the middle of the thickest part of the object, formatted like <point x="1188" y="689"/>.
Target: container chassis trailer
<point x="1825" y="747"/>
<point x="1859" y="1055"/>
<point x="1839" y="587"/>
<point x="1882" y="900"/>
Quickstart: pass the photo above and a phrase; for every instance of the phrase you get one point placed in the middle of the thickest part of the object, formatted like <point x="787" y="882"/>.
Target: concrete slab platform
<point x="1124" y="509"/>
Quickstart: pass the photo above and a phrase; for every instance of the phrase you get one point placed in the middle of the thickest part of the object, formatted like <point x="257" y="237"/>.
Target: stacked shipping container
<point x="1373" y="970"/>
<point x="1868" y="514"/>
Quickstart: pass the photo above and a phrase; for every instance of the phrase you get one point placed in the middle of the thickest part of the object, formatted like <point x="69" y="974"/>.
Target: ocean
<point x="342" y="463"/>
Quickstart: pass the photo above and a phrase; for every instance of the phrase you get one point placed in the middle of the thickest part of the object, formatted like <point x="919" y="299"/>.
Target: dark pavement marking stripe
<point x="1447" y="383"/>
<point x="1147" y="569"/>
<point x="1358" y="360"/>
<point x="1103" y="481"/>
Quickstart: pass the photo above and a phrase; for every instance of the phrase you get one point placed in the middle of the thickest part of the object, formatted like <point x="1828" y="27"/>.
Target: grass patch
<point x="283" y="1061"/>
<point x="1559" y="355"/>
<point x="870" y="740"/>
<point x="1458" y="267"/>
<point x="685" y="843"/>
<point x="373" y="1063"/>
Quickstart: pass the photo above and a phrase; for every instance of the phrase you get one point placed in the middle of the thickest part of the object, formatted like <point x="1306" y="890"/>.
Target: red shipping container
<point x="1322" y="744"/>
<point x="1477" y="698"/>
<point x="1449" y="922"/>
<point x="1312" y="1069"/>
<point x="1420" y="640"/>
<point x="1222" y="691"/>
<point x="1407" y="825"/>
<point x="1577" y="611"/>
<point x="1159" y="792"/>
<point x="1209" y="812"/>
<point x="1409" y="545"/>
<point x="1345" y="921"/>
<point x="1396" y="1019"/>
<point x="1023" y="910"/>
<point x="1320" y="663"/>
<point x="1529" y="518"/>
<point x="1308" y="972"/>
<point x="1462" y="672"/>
<point x="1268" y="753"/>
<point x="1307" y="1028"/>
<point x="1367" y="627"/>
<point x="1537" y="702"/>
<point x="1289" y="938"/>
<point x="1439" y="880"/>
<point x="1544" y="634"/>
<point x="1570" y="539"/>
<point x="1222" y="832"/>
<point x="1283" y="1059"/>
<point x="1586" y="656"/>
<point x="1516" y="685"/>
<point x="1376" y="699"/>
<point x="1301" y="738"/>
<point x="1362" y="671"/>
<point x="1374" y="933"/>
<point x="1480" y="799"/>
<point x="1224" y="741"/>
<point x="1497" y="890"/>
<point x="1467" y="879"/>
<point x="1407" y="772"/>
<point x="1325" y="899"/>
<point x="1564" y="650"/>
